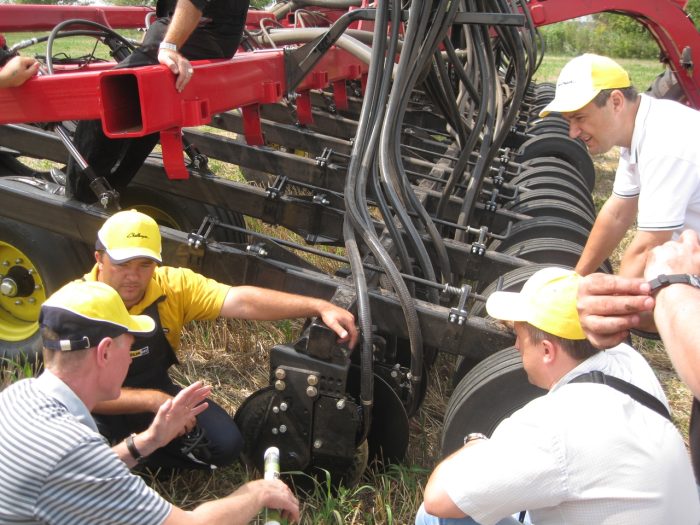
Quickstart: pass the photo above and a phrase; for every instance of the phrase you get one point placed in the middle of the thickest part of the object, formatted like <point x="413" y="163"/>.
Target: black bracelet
<point x="662" y="281"/>
<point x="131" y="447"/>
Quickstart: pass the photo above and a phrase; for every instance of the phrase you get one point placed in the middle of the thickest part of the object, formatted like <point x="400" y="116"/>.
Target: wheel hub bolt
<point x="18" y="302"/>
<point x="280" y="385"/>
<point x="311" y="391"/>
<point x="275" y="431"/>
<point x="283" y="406"/>
<point x="8" y="287"/>
<point x="18" y="261"/>
<point x="312" y="380"/>
<point x="283" y="429"/>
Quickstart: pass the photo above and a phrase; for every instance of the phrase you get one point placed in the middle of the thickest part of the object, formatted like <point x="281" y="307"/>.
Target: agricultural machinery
<point x="399" y="143"/>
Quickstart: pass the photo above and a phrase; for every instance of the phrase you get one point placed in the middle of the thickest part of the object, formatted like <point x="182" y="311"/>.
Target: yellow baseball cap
<point x="547" y="301"/>
<point x="82" y="313"/>
<point x="582" y="79"/>
<point x="128" y="235"/>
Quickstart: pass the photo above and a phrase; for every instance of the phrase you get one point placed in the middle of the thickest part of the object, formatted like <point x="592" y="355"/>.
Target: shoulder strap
<point x="636" y="393"/>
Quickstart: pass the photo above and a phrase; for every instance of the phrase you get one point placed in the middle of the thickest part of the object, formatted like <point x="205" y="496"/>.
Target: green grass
<point x="642" y="72"/>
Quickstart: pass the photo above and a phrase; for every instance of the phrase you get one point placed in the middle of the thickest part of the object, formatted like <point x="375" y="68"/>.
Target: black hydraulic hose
<point x="75" y="21"/>
<point x="487" y="70"/>
<point x="357" y="217"/>
<point x="396" y="182"/>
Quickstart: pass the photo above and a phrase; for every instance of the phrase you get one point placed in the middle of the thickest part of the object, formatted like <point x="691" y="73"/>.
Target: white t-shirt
<point x="662" y="166"/>
<point x="583" y="453"/>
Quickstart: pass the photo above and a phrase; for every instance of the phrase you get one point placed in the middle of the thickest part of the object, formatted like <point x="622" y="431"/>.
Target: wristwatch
<point x="131" y="447"/>
<point x="474" y="436"/>
<point x="167" y="45"/>
<point x="663" y="280"/>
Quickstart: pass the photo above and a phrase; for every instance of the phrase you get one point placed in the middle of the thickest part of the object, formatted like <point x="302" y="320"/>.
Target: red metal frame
<point x="665" y="19"/>
<point x="24" y="17"/>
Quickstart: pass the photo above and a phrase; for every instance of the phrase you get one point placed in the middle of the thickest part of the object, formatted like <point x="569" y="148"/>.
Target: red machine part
<point x="22" y="17"/>
<point x="668" y="23"/>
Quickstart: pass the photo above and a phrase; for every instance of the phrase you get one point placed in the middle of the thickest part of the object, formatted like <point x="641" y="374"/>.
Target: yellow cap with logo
<point x="547" y="301"/>
<point x="82" y="313"/>
<point x="582" y="79"/>
<point x="128" y="235"/>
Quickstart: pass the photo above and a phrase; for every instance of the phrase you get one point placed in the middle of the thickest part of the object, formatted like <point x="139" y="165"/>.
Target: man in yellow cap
<point x="599" y="447"/>
<point x="658" y="177"/>
<point x="128" y="255"/>
<point x="54" y="465"/>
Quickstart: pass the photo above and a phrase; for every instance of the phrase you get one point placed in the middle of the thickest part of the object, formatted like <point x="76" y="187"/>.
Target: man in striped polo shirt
<point x="56" y="468"/>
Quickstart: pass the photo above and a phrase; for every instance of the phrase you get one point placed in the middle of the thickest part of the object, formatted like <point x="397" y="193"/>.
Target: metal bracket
<point x="300" y="61"/>
<point x="276" y="189"/>
<point x="459" y="313"/>
<point x="479" y="247"/>
<point x="322" y="160"/>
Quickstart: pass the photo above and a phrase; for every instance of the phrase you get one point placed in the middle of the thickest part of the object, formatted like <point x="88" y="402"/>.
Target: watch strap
<point x="131" y="447"/>
<point x="167" y="45"/>
<point x="663" y="280"/>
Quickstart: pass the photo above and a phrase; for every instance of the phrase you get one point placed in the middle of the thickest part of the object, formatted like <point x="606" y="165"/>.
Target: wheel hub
<point x="21" y="294"/>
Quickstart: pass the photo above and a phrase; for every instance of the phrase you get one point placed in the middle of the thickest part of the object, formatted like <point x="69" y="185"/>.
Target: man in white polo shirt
<point x="599" y="447"/>
<point x="658" y="178"/>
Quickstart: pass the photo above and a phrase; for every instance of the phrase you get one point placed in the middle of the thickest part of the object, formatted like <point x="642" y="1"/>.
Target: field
<point x="232" y="357"/>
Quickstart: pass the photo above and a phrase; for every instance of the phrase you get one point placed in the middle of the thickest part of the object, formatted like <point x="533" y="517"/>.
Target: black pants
<point x="694" y="438"/>
<point x="118" y="160"/>
<point x="223" y="438"/>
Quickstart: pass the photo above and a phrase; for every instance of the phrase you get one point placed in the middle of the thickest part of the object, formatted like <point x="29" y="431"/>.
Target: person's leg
<point x="224" y="438"/>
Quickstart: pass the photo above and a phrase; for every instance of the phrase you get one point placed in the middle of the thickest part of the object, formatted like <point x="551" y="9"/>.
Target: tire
<point x="511" y="281"/>
<point x="533" y="195"/>
<point x="556" y="145"/>
<point x="40" y="263"/>
<point x="182" y="214"/>
<point x="556" y="208"/>
<point x="489" y="393"/>
<point x="539" y="227"/>
<point x="552" y="177"/>
<point x="560" y="164"/>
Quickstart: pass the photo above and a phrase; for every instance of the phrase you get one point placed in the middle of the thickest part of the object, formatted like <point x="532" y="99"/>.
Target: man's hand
<point x="177" y="416"/>
<point x="609" y="306"/>
<point x="681" y="256"/>
<point x="341" y="322"/>
<point x="179" y="65"/>
<point x="17" y="71"/>
<point x="271" y="494"/>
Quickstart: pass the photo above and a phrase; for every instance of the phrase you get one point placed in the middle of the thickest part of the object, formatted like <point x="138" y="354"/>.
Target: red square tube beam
<point x="23" y="17"/>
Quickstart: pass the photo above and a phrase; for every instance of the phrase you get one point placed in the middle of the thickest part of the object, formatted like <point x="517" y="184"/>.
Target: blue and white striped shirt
<point x="56" y="468"/>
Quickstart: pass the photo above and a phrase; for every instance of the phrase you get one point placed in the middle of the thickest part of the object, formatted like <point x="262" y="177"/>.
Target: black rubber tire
<point x="511" y="281"/>
<point x="556" y="208"/>
<point x="539" y="227"/>
<point x="555" y="145"/>
<point x="181" y="213"/>
<point x="543" y="178"/>
<point x="53" y="261"/>
<point x="533" y="195"/>
<point x="489" y="393"/>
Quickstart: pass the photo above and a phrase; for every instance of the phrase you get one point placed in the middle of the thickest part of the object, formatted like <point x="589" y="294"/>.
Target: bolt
<point x="280" y="373"/>
<point x="8" y="287"/>
<point x="283" y="406"/>
<point x="283" y="429"/>
<point x="275" y="410"/>
<point x="18" y="302"/>
<point x="453" y="318"/>
<point x="312" y="380"/>
<point x="6" y="263"/>
<point x="31" y="300"/>
<point x="275" y="431"/>
<point x="18" y="260"/>
<point x="311" y="391"/>
<point x="340" y="405"/>
<point x="318" y="444"/>
<point x="280" y="385"/>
